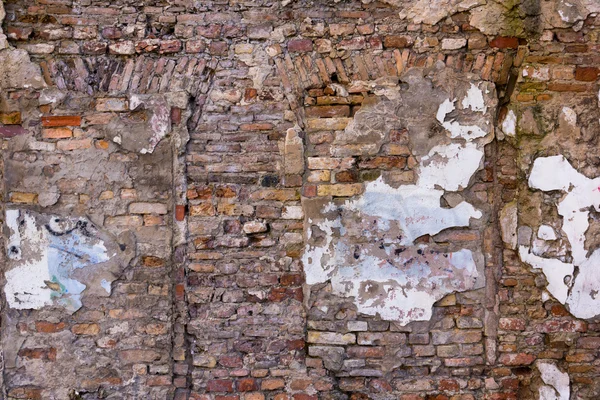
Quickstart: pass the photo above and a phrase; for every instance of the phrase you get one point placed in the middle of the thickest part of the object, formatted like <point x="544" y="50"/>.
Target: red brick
<point x="513" y="324"/>
<point x="449" y="385"/>
<point x="218" y="48"/>
<point x="281" y="294"/>
<point x="297" y="344"/>
<point x="515" y="359"/>
<point x="397" y="42"/>
<point x="586" y="74"/>
<point x="219" y="385"/>
<point x="300" y="45"/>
<point x="247" y="385"/>
<point x="505" y="42"/>
<point x="305" y="397"/>
<point x="231" y="361"/>
<point x="272" y="384"/>
<point x="161" y="380"/>
<point x="170" y="46"/>
<point x="291" y="279"/>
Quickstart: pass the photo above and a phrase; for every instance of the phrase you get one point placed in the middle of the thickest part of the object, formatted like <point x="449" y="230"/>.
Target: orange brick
<point x="57" y="133"/>
<point x="524" y="97"/>
<point x="61" y="120"/>
<point x="86" y="329"/>
<point x="49" y="327"/>
<point x="101" y="144"/>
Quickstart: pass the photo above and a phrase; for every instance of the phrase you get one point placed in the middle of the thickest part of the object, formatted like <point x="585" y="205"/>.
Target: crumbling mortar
<point x="180" y="242"/>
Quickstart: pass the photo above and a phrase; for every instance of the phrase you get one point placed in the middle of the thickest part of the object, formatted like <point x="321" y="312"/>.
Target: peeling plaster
<point x="556" y="382"/>
<point x="428" y="12"/>
<point x="546" y="232"/>
<point x="49" y="257"/>
<point x="579" y="293"/>
<point x="366" y="246"/>
<point x="509" y="125"/>
<point x="467" y="132"/>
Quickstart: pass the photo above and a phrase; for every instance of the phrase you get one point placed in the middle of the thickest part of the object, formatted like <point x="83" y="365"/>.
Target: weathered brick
<point x="505" y="42"/>
<point x="300" y="45"/>
<point x="397" y="42"/>
<point x="343" y="190"/>
<point x="587" y="74"/>
<point x="57" y="133"/>
<point x="85" y="329"/>
<point x="331" y="338"/>
<point x="148" y="208"/>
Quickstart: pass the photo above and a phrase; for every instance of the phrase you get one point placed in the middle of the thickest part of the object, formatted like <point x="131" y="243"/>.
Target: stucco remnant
<point x="428" y="12"/>
<point x="53" y="259"/>
<point x="366" y="245"/>
<point x="578" y="291"/>
<point x="556" y="383"/>
<point x="147" y="123"/>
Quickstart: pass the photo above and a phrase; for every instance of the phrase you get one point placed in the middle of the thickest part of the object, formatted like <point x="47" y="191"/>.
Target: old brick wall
<point x="300" y="200"/>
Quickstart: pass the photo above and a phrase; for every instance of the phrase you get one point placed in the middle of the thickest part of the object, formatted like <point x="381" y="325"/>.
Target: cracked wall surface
<point x="299" y="200"/>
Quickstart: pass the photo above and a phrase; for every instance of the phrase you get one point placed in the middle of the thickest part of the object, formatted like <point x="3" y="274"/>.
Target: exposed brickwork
<point x="243" y="102"/>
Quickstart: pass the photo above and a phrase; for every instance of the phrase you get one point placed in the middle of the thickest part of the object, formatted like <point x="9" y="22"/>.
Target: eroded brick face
<point x="299" y="200"/>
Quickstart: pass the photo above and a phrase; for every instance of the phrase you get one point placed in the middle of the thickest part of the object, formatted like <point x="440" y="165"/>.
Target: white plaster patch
<point x="450" y="166"/>
<point x="45" y="254"/>
<point x="467" y="132"/>
<point x="557" y="385"/>
<point x="319" y="261"/>
<point x="509" y="125"/>
<point x="416" y="208"/>
<point x="570" y="116"/>
<point x="474" y="99"/>
<point x="579" y="293"/>
<point x="556" y="272"/>
<point x="106" y="285"/>
<point x="546" y="232"/>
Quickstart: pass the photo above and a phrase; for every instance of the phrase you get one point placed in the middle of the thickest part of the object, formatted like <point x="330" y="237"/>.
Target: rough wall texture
<point x="249" y="200"/>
